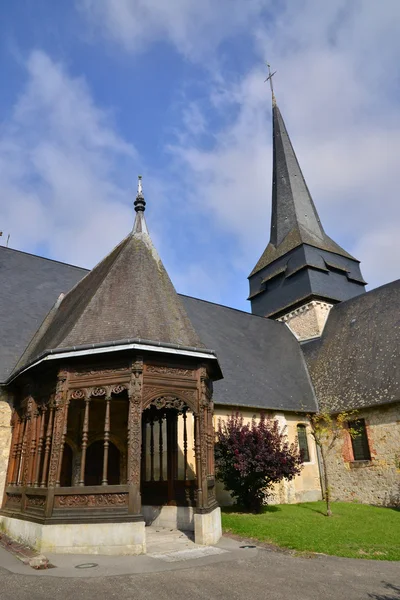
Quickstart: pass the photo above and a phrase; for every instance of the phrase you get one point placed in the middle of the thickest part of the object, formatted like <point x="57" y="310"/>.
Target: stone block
<point x="85" y="538"/>
<point x="208" y="528"/>
<point x="172" y="517"/>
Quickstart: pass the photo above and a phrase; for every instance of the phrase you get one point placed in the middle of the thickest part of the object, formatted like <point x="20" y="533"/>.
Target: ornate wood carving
<point x="43" y="411"/>
<point x="32" y="453"/>
<point x="16" y="425"/>
<point x="90" y="500"/>
<point x="174" y="371"/>
<point x="100" y="372"/>
<point x="134" y="422"/>
<point x="23" y="471"/>
<point x="169" y="402"/>
<point x="58" y="428"/>
<point x="47" y="447"/>
<point x="98" y="392"/>
<point x="78" y="395"/>
<point x="14" y="500"/>
<point x="154" y="393"/>
<point x="85" y="434"/>
<point x="38" y="501"/>
<point x="106" y="441"/>
<point x="118" y="389"/>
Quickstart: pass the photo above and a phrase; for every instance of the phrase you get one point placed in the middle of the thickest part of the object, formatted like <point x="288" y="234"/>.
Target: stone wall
<point x="371" y="482"/>
<point x="5" y="439"/>
<point x="305" y="487"/>
<point x="307" y="321"/>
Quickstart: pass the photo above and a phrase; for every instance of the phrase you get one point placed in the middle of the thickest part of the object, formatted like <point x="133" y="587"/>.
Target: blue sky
<point x="96" y="91"/>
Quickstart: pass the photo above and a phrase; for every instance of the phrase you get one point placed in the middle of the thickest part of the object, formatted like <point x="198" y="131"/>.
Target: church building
<point x="111" y="383"/>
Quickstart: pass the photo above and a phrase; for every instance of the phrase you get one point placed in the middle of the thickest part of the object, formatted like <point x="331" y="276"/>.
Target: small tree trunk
<point x="326" y="482"/>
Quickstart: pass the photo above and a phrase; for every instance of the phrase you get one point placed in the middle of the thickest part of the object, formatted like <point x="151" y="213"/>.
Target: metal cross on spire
<point x="139" y="186"/>
<point x="269" y="78"/>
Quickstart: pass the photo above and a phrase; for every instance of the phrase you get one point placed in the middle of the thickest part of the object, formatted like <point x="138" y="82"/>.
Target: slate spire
<point x="296" y="226"/>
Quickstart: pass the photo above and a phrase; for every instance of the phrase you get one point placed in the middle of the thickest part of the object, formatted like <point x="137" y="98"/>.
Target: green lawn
<point x="354" y="530"/>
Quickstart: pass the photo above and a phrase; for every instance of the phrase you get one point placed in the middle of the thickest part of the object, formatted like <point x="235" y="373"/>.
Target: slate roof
<point x="294" y="219"/>
<point x="128" y="295"/>
<point x="356" y="362"/>
<point x="29" y="286"/>
<point x="260" y="359"/>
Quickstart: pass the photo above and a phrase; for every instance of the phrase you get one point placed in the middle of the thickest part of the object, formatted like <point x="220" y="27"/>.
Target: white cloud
<point x="62" y="168"/>
<point x="342" y="117"/>
<point x="194" y="28"/>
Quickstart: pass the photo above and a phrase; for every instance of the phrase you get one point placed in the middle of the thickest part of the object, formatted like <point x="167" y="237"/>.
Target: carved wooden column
<point x="106" y="441"/>
<point x="18" y="457"/>
<point x="204" y="402"/>
<point x="135" y="435"/>
<point x="23" y="470"/>
<point x="32" y="449"/>
<point x="85" y="434"/>
<point x="197" y="450"/>
<point x="15" y="425"/>
<point x="47" y="447"/>
<point x="58" y="427"/>
<point x="39" y="453"/>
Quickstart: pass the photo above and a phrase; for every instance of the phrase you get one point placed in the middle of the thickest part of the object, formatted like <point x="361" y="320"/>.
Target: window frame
<point x="365" y="454"/>
<point x="307" y="456"/>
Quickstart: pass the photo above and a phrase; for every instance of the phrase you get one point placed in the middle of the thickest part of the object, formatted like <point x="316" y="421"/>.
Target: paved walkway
<point x="167" y="549"/>
<point x="229" y="572"/>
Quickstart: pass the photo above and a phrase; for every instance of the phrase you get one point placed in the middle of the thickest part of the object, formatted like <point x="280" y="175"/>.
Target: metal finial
<point x="269" y="78"/>
<point x="139" y="203"/>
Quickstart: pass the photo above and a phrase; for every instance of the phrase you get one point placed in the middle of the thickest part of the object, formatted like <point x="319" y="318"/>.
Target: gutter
<point x="115" y="346"/>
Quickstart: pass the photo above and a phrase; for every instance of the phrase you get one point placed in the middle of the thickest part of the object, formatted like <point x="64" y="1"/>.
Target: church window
<point x="303" y="444"/>
<point x="359" y="440"/>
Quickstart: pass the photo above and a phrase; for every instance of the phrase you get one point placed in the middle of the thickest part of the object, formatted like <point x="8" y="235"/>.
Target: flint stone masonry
<point x="5" y="438"/>
<point x="376" y="481"/>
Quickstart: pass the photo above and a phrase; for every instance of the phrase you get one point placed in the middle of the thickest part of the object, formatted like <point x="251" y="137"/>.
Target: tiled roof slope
<point x="127" y="295"/>
<point x="261" y="360"/>
<point x="356" y="363"/>
<point x="29" y="287"/>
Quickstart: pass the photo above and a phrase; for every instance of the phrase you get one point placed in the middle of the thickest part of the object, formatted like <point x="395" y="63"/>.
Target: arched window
<point x="303" y="444"/>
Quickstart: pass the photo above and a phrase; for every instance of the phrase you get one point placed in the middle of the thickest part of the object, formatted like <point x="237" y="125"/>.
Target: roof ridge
<point x="249" y="314"/>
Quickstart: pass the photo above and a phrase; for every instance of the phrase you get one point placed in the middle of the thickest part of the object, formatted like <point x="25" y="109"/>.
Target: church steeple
<point x="301" y="262"/>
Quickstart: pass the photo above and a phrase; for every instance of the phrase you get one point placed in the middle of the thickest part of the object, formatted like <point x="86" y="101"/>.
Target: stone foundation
<point x="208" y="528"/>
<point x="85" y="538"/>
<point x="307" y="321"/>
<point x="173" y="517"/>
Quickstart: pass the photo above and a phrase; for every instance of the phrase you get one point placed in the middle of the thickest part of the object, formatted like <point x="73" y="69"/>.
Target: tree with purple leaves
<point x="251" y="457"/>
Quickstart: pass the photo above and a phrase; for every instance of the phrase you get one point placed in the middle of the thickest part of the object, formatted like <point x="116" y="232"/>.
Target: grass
<point x="354" y="530"/>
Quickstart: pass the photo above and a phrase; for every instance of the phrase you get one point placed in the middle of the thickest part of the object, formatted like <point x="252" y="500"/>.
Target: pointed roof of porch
<point x="127" y="296"/>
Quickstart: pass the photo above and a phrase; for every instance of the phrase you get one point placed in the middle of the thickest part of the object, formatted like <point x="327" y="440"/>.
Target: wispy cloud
<point x="195" y="29"/>
<point x="62" y="168"/>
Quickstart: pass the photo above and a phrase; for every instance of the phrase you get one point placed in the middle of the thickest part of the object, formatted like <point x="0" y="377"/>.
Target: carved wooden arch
<point x="186" y="396"/>
<point x="99" y="437"/>
<point x="73" y="445"/>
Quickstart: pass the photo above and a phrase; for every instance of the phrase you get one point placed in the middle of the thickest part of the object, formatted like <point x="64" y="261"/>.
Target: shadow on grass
<point x="240" y="510"/>
<point x="312" y="508"/>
